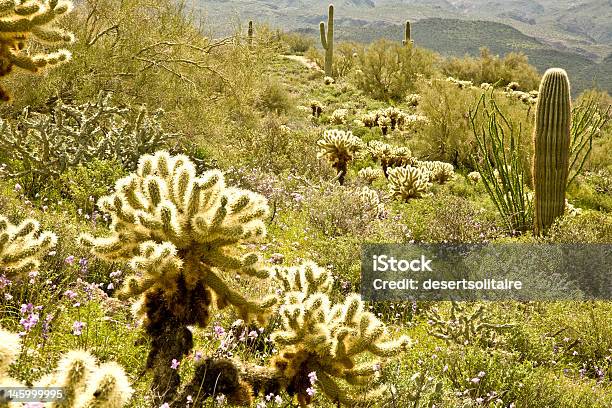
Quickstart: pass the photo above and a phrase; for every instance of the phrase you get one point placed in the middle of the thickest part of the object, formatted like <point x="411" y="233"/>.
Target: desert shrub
<point x="275" y="98"/>
<point x="593" y="190"/>
<point x="86" y="182"/>
<point x="297" y="43"/>
<point x="491" y="69"/>
<point x="590" y="226"/>
<point x="446" y="218"/>
<point x="387" y="70"/>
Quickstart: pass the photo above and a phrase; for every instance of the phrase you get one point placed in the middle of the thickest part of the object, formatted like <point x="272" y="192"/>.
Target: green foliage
<point x="297" y="43"/>
<point x="21" y="21"/>
<point x="41" y="147"/>
<point x="275" y="98"/>
<point x="552" y="143"/>
<point x="387" y="70"/>
<point x="488" y="68"/>
<point x="499" y="164"/>
<point x="88" y="181"/>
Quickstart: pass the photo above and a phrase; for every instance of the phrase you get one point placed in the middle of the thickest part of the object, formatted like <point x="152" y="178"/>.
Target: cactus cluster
<point x="327" y="42"/>
<point x="439" y="172"/>
<point x="389" y="119"/>
<point x="324" y="343"/>
<point x="316" y="108"/>
<point x="85" y="384"/>
<point x="474" y="177"/>
<point x="369" y="174"/>
<point x="460" y="84"/>
<point x="390" y="156"/>
<point x="22" y="246"/>
<point x="465" y="326"/>
<point x="182" y="235"/>
<point x="551" y="148"/>
<point x="22" y="21"/>
<point x="338" y="117"/>
<point x="45" y="145"/>
<point x="413" y="99"/>
<point x="408" y="182"/>
<point x="339" y="148"/>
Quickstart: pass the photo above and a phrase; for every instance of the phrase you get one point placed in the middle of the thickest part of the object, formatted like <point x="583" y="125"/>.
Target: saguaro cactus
<point x="21" y="20"/>
<point x="327" y="41"/>
<point x="551" y="148"/>
<point x="250" y="32"/>
<point x="407" y="34"/>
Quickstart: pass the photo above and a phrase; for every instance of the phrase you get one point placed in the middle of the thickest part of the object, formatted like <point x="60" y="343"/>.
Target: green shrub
<point x="387" y="70"/>
<point x="275" y="98"/>
<point x="491" y="69"/>
<point x="87" y="182"/>
<point x="297" y="43"/>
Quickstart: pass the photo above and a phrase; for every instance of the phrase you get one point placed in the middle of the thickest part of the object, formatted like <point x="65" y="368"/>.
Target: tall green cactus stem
<point x="407" y="34"/>
<point x="327" y="41"/>
<point x="250" y="33"/>
<point x="22" y="246"/>
<point x="24" y="20"/>
<point x="183" y="236"/>
<point x="551" y="148"/>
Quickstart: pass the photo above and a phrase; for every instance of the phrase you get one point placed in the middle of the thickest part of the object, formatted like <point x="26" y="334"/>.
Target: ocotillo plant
<point x="83" y="382"/>
<point x="250" y="32"/>
<point x="339" y="147"/>
<point x="183" y="236"/>
<point x="21" y="21"/>
<point x="551" y="148"/>
<point x="407" y="34"/>
<point x="22" y="246"/>
<point x="327" y="41"/>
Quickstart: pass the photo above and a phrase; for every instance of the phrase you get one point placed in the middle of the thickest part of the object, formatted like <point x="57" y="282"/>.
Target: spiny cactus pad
<point x="408" y="182"/>
<point x="327" y="339"/>
<point x="22" y="246"/>
<point x="33" y="19"/>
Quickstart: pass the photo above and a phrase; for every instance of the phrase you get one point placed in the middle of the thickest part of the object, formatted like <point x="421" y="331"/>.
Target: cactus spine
<point x="327" y="40"/>
<point x="551" y="148"/>
<point x="250" y="33"/>
<point x="407" y="34"/>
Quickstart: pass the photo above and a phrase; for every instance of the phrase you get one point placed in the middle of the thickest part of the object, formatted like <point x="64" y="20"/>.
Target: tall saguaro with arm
<point x="551" y="148"/>
<point x="327" y="41"/>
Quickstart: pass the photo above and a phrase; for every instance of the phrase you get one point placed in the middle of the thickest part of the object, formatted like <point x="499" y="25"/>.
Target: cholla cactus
<point x="339" y="147"/>
<point x="47" y="144"/>
<point x="413" y="99"/>
<point x="408" y="182"/>
<point x="181" y="234"/>
<point x="34" y="19"/>
<point x="465" y="326"/>
<point x="370" y="119"/>
<point x="513" y="86"/>
<point x="384" y="123"/>
<point x="369" y="174"/>
<point x="338" y="117"/>
<point x="322" y="342"/>
<point x="394" y="116"/>
<point x="371" y="200"/>
<point x="22" y="246"/>
<point x="84" y="383"/>
<point x="486" y="86"/>
<point x="474" y="177"/>
<point x="390" y="156"/>
<point x="439" y="172"/>
<point x="328" y="80"/>
<point x="460" y="84"/>
<point x="316" y="107"/>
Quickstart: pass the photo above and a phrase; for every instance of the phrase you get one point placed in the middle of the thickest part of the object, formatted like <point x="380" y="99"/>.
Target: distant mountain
<point x="573" y="34"/>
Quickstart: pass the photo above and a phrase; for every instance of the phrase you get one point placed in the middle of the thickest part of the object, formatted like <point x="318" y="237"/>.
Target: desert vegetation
<point x="181" y="217"/>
